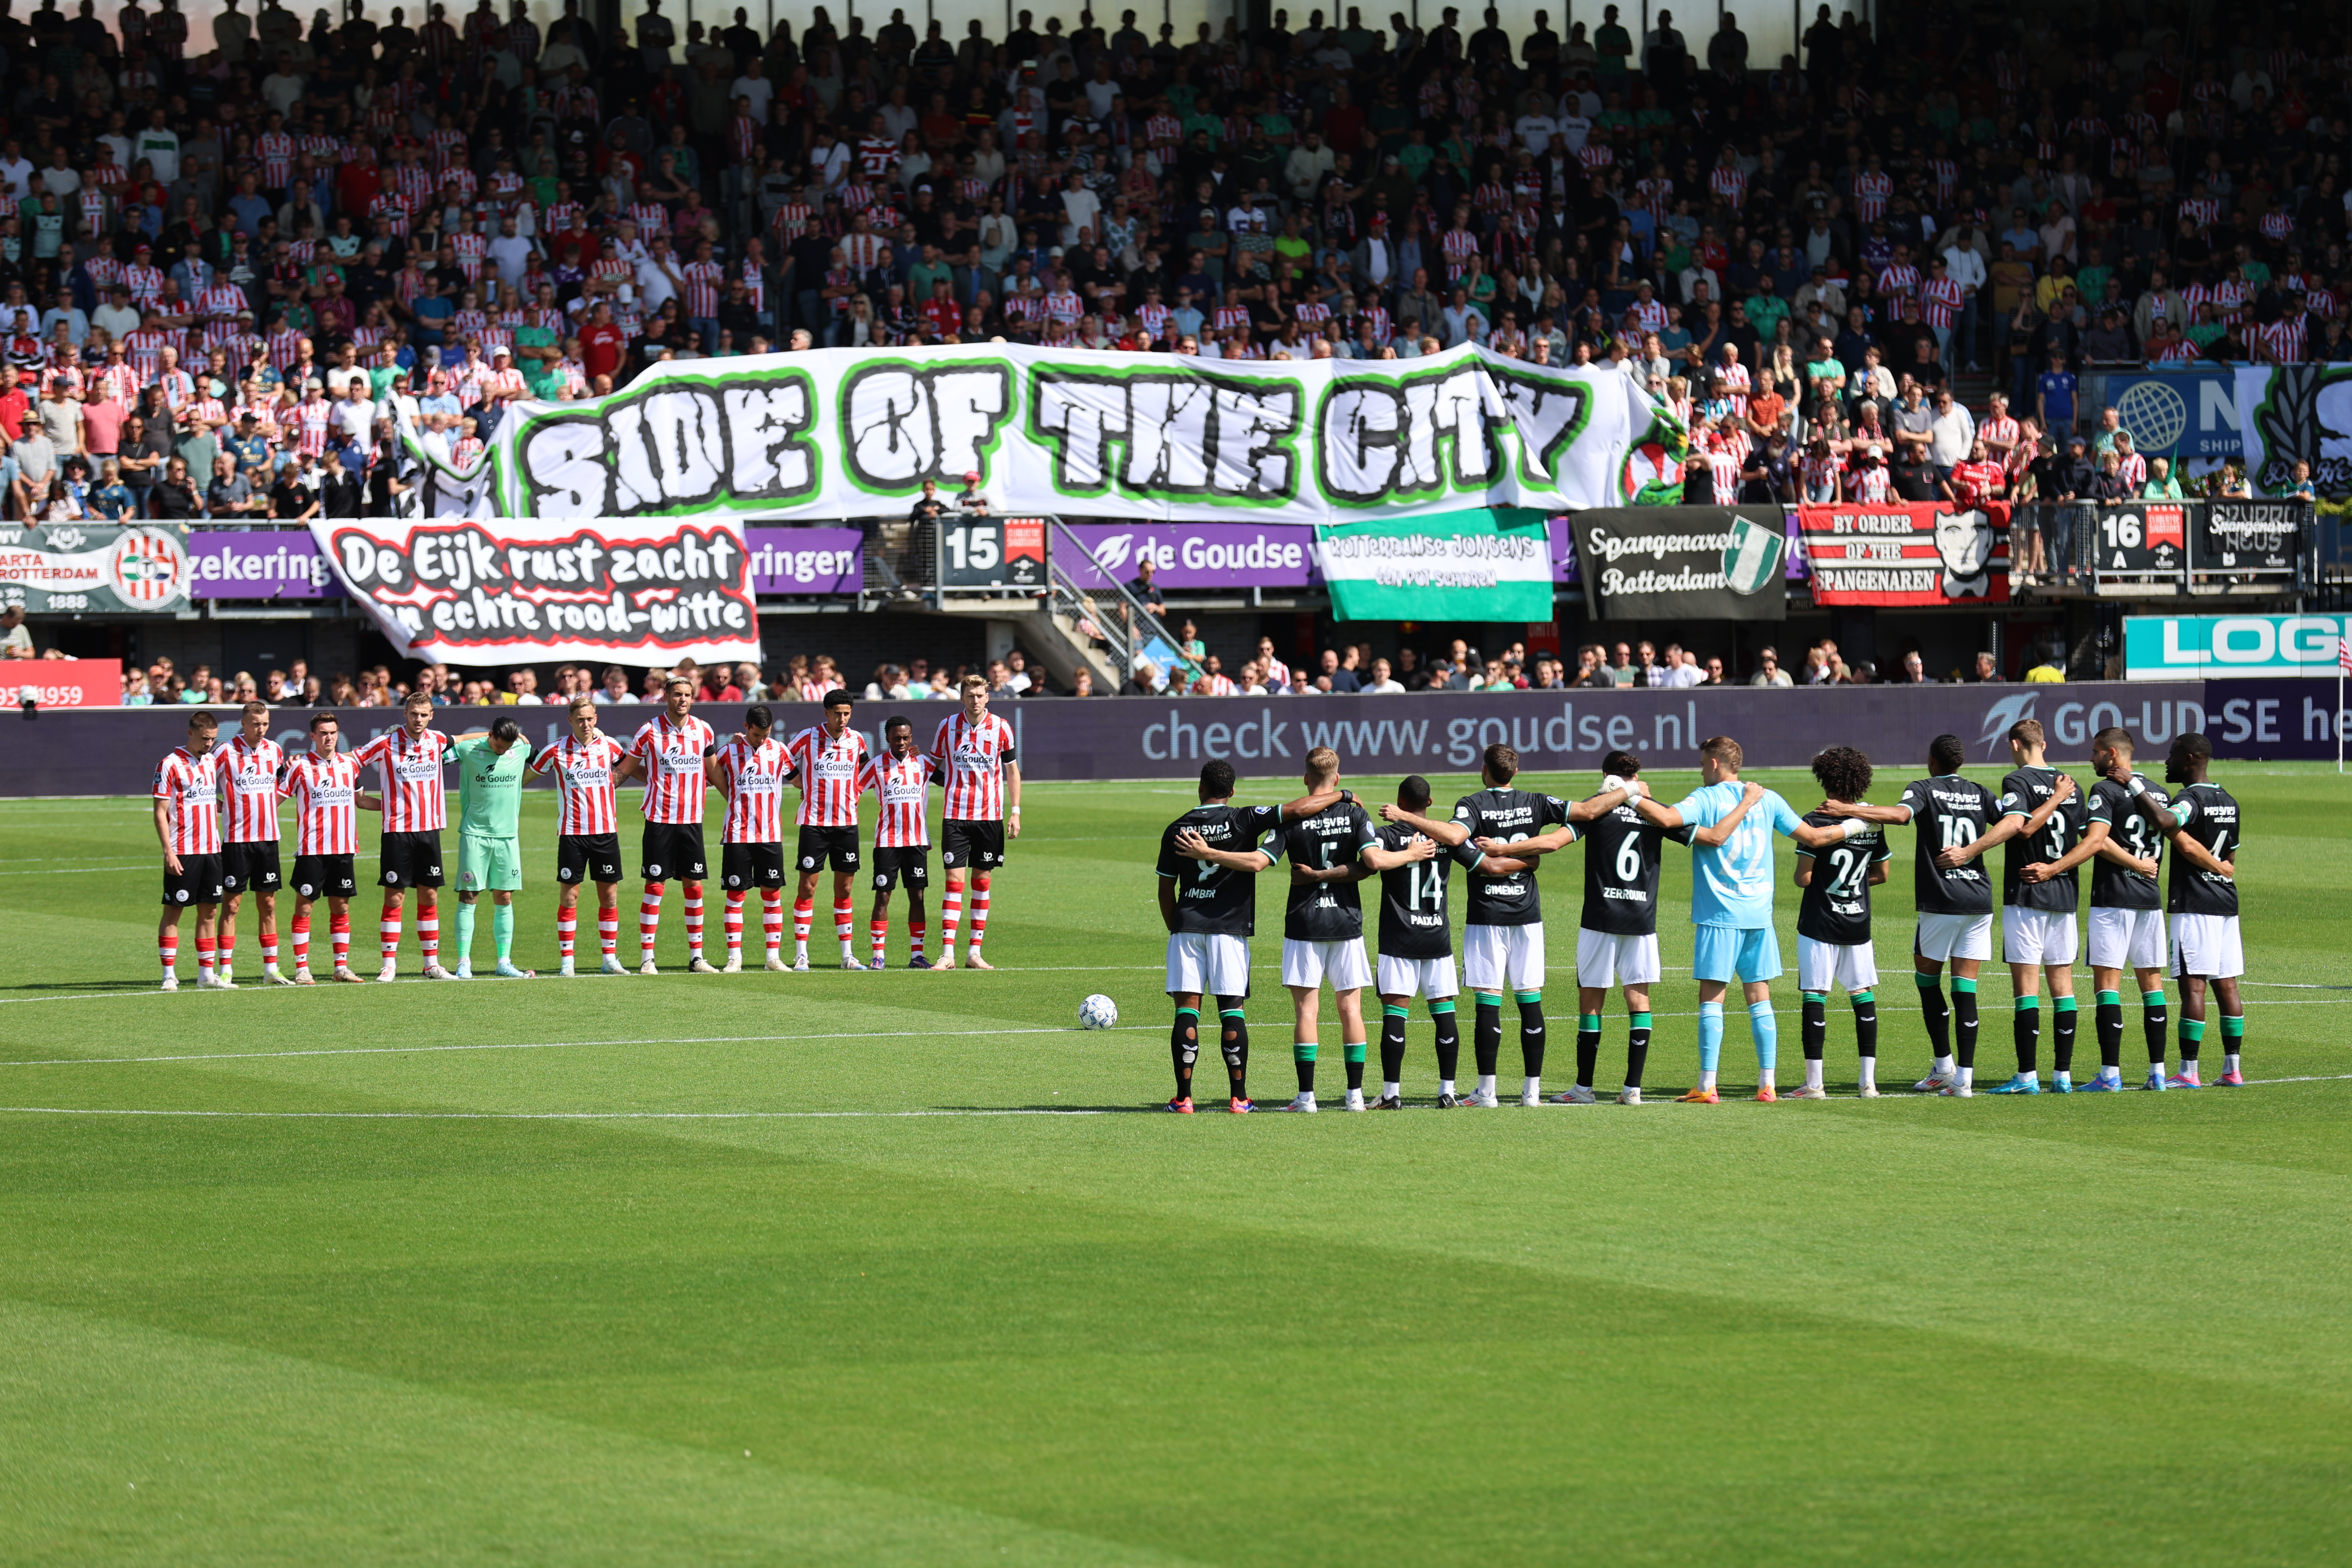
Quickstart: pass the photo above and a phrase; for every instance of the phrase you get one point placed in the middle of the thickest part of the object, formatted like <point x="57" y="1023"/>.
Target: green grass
<point x="421" y="1294"/>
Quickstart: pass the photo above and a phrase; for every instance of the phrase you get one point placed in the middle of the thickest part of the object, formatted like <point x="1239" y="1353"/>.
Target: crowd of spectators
<point x="227" y="262"/>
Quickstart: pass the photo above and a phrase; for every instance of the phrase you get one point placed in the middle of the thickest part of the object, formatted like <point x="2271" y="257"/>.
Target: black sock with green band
<point x="2061" y="1035"/>
<point x="1637" y="1049"/>
<point x="1392" y="1023"/>
<point x="1936" y="1012"/>
<point x="1184" y="1048"/>
<point x="1964" y="1022"/>
<point x="2109" y="1023"/>
<point x="1587" y="1047"/>
<point x="2025" y="1028"/>
<point x="1302" y="1056"/>
<point x="1448" y="1025"/>
<point x="1815" y="1031"/>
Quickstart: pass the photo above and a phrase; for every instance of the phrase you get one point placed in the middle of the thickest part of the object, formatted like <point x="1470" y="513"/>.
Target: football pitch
<point x="898" y="1268"/>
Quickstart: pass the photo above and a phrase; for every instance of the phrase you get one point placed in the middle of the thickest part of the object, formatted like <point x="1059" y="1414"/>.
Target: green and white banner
<point x="840" y="433"/>
<point x="2296" y="412"/>
<point x="1485" y="565"/>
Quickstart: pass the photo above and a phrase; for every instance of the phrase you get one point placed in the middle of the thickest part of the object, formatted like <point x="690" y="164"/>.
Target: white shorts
<point x="1503" y="958"/>
<point x="1409" y="977"/>
<point x="1208" y="965"/>
<point x="2037" y="936"/>
<point x="1823" y="964"/>
<point x="2127" y="939"/>
<point x="2207" y="947"/>
<point x="1310" y="963"/>
<point x="1605" y="959"/>
<point x="1943" y="937"/>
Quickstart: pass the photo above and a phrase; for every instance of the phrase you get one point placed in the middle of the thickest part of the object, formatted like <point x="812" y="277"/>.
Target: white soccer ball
<point x="1098" y="1012"/>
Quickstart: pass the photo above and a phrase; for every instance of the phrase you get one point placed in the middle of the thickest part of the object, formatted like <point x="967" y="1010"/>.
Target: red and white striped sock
<point x="204" y="957"/>
<point x="733" y="923"/>
<point x="608" y="932"/>
<point x="225" y="953"/>
<point x="339" y="930"/>
<point x="167" y="950"/>
<point x="648" y="919"/>
<point x="269" y="950"/>
<point x="880" y="931"/>
<point x="771" y="922"/>
<point x="950" y="917"/>
<point x="567" y="933"/>
<point x="301" y="943"/>
<point x="844" y="921"/>
<point x="803" y="909"/>
<point x="428" y="938"/>
<point x="979" y="916"/>
<point x="915" y="929"/>
<point x="694" y="924"/>
<point x="388" y="930"/>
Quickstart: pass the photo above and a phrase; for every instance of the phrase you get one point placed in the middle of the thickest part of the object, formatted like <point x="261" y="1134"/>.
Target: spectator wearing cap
<point x="972" y="498"/>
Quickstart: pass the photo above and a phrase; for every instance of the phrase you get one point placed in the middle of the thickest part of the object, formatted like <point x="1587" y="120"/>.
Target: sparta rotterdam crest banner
<point x="645" y="591"/>
<point x="836" y="433"/>
<point x="1907" y="553"/>
<point x="84" y="567"/>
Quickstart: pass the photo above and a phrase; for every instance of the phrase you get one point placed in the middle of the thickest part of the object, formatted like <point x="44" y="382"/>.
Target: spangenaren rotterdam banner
<point x="842" y="433"/>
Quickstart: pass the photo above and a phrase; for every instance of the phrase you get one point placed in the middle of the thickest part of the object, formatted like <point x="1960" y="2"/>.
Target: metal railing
<point x="1108" y="614"/>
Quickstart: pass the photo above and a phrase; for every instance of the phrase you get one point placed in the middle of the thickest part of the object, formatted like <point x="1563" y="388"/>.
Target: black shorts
<point x="199" y="881"/>
<point x="411" y="860"/>
<point x="892" y="861"/>
<point x="591" y="857"/>
<point x="250" y="866"/>
<point x="751" y="865"/>
<point x="979" y="844"/>
<point x="324" y="877"/>
<point x="671" y="850"/>
<point x="819" y="844"/>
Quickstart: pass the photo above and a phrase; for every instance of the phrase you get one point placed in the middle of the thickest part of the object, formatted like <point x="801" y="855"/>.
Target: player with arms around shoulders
<point x="2039" y="891"/>
<point x="1617" y="933"/>
<point x="490" y="773"/>
<point x="750" y="771"/>
<point x="668" y="753"/>
<point x="249" y="767"/>
<point x="1323" y="925"/>
<point x="587" y="766"/>
<point x="981" y="777"/>
<point x="1731" y="902"/>
<point x="416" y="809"/>
<point x="1416" y="936"/>
<point x="831" y="760"/>
<point x="187" y="825"/>
<point x="324" y="786"/>
<point x="1950" y="816"/>
<point x="902" y="782"/>
<point x="1833" y="942"/>
<point x="2207" y="828"/>
<point x="2126" y="924"/>
<point x="1208" y="867"/>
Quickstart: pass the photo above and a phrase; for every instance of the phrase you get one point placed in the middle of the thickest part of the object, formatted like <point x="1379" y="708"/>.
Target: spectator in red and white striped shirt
<point x="902" y="782"/>
<point x="830" y="759"/>
<point x="416" y="809"/>
<point x="249" y="765"/>
<point x="750" y="772"/>
<point x="324" y="787"/>
<point x="187" y="825"/>
<point x="587" y="827"/>
<point x="668" y="753"/>
<point x="974" y="749"/>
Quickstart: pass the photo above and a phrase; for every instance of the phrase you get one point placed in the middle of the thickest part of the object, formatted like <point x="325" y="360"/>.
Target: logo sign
<point x="2177" y="648"/>
<point x="2141" y="539"/>
<point x="231" y="565"/>
<point x="806" y="560"/>
<point x="1196" y="554"/>
<point x="2184" y="414"/>
<point x="93" y="567"/>
<point x="1683" y="563"/>
<point x="2247" y="541"/>
<point x="1751" y="555"/>
<point x="977" y="552"/>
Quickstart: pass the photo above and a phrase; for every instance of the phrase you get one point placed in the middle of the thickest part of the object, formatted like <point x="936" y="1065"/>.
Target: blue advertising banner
<point x="2190" y="413"/>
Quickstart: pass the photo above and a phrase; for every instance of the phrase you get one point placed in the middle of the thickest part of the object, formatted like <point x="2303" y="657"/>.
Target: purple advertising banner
<point x="806" y="560"/>
<point x="263" y="565"/>
<point x="1198" y="554"/>
<point x="91" y="752"/>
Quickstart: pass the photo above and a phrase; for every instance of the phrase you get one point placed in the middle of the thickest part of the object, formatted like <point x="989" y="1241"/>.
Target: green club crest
<point x="1753" y="552"/>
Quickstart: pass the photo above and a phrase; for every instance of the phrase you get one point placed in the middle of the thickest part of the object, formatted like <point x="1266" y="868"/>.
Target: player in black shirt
<point x="2038" y="896"/>
<point x="1416" y="938"/>
<point x="1617" y="932"/>
<point x="1209" y="861"/>
<point x="1833" y="941"/>
<point x="2126" y="922"/>
<point x="1323" y="928"/>
<point x="1953" y="817"/>
<point x="2207" y="828"/>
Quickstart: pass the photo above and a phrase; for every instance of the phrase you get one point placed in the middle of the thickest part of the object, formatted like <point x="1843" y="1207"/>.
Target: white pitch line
<point x="747" y="1115"/>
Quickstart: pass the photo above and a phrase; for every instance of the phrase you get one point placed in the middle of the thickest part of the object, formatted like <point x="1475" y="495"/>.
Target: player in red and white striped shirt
<point x="249" y="765"/>
<point x="587" y="833"/>
<point x="902" y="782"/>
<point x="668" y="753"/>
<point x="750" y="771"/>
<point x="187" y="825"/>
<point x="830" y="758"/>
<point x="975" y="755"/>
<point x="416" y="809"/>
<point x="324" y="786"/>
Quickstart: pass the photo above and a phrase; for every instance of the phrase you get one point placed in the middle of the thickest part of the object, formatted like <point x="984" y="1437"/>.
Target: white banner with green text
<point x="1492" y="564"/>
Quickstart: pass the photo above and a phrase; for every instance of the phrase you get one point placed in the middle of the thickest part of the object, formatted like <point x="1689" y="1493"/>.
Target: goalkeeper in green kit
<point x="490" y="774"/>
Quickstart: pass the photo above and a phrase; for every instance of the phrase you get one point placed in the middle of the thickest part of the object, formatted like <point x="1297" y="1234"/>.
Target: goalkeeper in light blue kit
<point x="1731" y="900"/>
